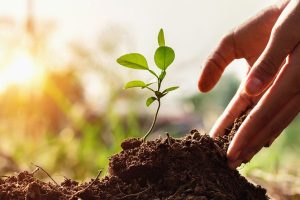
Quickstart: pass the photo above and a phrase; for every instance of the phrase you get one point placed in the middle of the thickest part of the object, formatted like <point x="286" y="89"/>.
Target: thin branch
<point x="94" y="181"/>
<point x="168" y="137"/>
<point x="136" y="194"/>
<point x="152" y="72"/>
<point x="47" y="174"/>
<point x="87" y="187"/>
<point x="150" y="89"/>
<point x="120" y="189"/>
<point x="34" y="171"/>
<point x="180" y="190"/>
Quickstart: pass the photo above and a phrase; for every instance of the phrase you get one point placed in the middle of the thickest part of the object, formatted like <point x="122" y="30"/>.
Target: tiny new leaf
<point x="161" y="38"/>
<point x="162" y="75"/>
<point x="150" y="100"/>
<point x="163" y="57"/>
<point x="170" y="89"/>
<point x="133" y="60"/>
<point x="135" y="83"/>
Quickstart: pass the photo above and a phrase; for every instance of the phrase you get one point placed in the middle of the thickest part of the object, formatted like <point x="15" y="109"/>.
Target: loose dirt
<point x="190" y="168"/>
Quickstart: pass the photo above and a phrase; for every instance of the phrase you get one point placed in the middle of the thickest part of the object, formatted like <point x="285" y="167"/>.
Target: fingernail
<point x="270" y="142"/>
<point x="253" y="86"/>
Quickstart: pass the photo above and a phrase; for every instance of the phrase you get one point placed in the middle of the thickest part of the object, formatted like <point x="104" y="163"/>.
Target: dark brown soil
<point x="189" y="168"/>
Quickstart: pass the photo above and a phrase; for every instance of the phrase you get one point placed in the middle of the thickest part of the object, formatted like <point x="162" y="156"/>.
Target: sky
<point x="192" y="27"/>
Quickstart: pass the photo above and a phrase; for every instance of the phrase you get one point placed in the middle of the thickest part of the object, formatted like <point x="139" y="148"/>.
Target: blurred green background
<point x="62" y="105"/>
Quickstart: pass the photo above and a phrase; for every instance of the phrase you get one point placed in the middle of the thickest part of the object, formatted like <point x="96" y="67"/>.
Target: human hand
<point x="269" y="43"/>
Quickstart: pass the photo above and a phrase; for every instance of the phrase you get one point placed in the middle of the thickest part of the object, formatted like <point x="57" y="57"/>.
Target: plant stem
<point x="157" y="110"/>
<point x="152" y="72"/>
<point x="150" y="89"/>
<point x="153" y="122"/>
<point x="158" y="84"/>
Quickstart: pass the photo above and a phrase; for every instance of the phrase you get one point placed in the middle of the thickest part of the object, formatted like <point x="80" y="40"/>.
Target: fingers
<point x="272" y="130"/>
<point x="284" y="38"/>
<point x="255" y="123"/>
<point x="277" y="108"/>
<point x="214" y="66"/>
<point x="277" y="125"/>
<point x="238" y="105"/>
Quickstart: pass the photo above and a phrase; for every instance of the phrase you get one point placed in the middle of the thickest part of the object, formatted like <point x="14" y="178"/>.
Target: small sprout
<point x="163" y="57"/>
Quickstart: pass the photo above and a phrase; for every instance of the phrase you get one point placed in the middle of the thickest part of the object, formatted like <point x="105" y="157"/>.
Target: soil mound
<point x="190" y="168"/>
<point x="193" y="167"/>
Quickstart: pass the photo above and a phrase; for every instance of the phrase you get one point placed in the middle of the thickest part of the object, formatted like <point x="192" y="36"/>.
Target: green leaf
<point x="135" y="83"/>
<point x="164" y="56"/>
<point x="170" y="89"/>
<point x="134" y="61"/>
<point x="150" y="100"/>
<point x="162" y="75"/>
<point x="161" y="38"/>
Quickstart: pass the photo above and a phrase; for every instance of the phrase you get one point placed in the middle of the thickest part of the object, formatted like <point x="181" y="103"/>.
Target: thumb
<point x="284" y="38"/>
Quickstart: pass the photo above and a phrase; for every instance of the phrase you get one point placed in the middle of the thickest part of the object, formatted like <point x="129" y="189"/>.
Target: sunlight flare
<point x="21" y="71"/>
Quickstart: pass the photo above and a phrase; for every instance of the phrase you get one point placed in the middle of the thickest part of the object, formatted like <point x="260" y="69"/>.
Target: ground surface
<point x="189" y="168"/>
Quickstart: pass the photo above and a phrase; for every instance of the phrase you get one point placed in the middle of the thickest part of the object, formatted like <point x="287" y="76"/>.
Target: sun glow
<point x="21" y="71"/>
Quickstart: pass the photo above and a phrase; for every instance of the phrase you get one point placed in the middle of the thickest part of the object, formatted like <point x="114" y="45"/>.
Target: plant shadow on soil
<point x="190" y="168"/>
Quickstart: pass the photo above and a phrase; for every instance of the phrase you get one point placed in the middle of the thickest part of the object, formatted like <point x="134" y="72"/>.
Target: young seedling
<point x="163" y="57"/>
